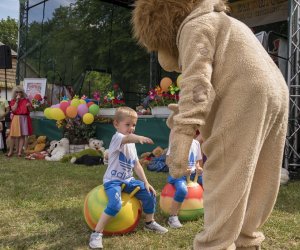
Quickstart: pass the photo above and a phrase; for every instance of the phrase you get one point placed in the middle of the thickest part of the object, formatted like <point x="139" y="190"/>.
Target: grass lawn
<point x="41" y="208"/>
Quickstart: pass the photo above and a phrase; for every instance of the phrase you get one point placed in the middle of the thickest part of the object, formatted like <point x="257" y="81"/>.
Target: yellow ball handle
<point x="134" y="192"/>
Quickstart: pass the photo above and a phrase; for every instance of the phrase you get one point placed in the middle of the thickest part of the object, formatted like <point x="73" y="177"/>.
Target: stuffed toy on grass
<point x="88" y="160"/>
<point x="96" y="144"/>
<point x="88" y="151"/>
<point x="58" y="149"/>
<point x="232" y="91"/>
<point x="39" y="145"/>
<point x="31" y="142"/>
<point x="146" y="157"/>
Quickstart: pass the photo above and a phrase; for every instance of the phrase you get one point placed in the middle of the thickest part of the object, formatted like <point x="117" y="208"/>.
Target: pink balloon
<point x="55" y="106"/>
<point x="82" y="109"/>
<point x="63" y="106"/>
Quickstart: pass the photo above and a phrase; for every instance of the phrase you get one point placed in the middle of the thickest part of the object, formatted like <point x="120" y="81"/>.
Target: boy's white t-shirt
<point x="121" y="160"/>
<point x="194" y="154"/>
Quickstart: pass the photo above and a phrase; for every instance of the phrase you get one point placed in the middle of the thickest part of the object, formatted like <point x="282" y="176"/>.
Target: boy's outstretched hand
<point x="143" y="139"/>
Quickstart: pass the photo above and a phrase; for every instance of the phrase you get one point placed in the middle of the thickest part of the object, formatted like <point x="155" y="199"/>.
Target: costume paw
<point x="174" y="108"/>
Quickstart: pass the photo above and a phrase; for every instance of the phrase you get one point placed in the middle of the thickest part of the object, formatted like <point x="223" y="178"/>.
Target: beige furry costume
<point x="235" y="94"/>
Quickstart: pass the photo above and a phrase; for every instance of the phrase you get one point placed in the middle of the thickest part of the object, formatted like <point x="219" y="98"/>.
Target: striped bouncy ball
<point x="124" y="222"/>
<point x="192" y="206"/>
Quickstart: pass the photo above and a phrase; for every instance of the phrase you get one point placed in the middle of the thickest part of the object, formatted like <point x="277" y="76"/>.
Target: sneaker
<point x="155" y="227"/>
<point x="174" y="222"/>
<point x="96" y="240"/>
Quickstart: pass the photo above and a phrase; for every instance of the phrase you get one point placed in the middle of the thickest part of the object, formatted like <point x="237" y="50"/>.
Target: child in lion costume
<point x="234" y="93"/>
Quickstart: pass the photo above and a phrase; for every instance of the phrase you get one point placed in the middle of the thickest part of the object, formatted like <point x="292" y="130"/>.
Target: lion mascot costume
<point x="235" y="94"/>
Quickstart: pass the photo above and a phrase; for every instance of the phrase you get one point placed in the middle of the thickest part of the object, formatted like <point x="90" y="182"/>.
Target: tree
<point x="9" y="32"/>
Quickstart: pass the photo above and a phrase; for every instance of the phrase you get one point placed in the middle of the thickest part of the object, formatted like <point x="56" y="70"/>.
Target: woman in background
<point x="21" y="121"/>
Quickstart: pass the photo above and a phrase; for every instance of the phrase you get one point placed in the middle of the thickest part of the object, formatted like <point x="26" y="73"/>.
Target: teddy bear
<point x="146" y="157"/>
<point x="58" y="149"/>
<point x="31" y="143"/>
<point x="96" y="144"/>
<point x="39" y="146"/>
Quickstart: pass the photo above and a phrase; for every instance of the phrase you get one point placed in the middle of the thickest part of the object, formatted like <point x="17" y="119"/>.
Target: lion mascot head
<point x="156" y="23"/>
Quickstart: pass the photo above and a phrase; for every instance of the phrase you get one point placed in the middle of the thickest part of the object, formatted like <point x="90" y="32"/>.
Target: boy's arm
<point x="132" y="138"/>
<point x="138" y="169"/>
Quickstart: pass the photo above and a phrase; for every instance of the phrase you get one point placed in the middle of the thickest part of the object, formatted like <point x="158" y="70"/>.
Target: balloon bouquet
<point x="76" y="107"/>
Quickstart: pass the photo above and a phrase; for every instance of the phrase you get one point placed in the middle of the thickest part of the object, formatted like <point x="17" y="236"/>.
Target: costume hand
<point x="150" y="188"/>
<point x="188" y="172"/>
<point x="143" y="139"/>
<point x="28" y="104"/>
<point x="179" y="152"/>
<point x="173" y="107"/>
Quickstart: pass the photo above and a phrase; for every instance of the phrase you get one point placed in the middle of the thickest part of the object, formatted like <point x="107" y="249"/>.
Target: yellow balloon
<point x="82" y="101"/>
<point x="75" y="102"/>
<point x="57" y="114"/>
<point x="88" y="118"/>
<point x="47" y="113"/>
<point x="178" y="81"/>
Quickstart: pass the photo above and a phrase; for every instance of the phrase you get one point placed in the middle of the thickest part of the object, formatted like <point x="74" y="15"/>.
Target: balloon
<point x="88" y="118"/>
<point x="165" y="83"/>
<point x="47" y="113"/>
<point x="55" y="106"/>
<point x="57" y="114"/>
<point x="94" y="109"/>
<point x="71" y="111"/>
<point x="63" y="106"/>
<point x="82" y="101"/>
<point x="178" y="81"/>
<point x="90" y="103"/>
<point x="82" y="109"/>
<point x="75" y="102"/>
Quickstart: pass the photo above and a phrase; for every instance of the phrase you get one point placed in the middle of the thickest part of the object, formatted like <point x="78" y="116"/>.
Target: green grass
<point x="41" y="208"/>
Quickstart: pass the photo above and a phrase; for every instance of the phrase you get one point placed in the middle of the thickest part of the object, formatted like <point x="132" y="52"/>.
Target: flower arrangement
<point x="114" y="98"/>
<point x="75" y="117"/>
<point x="76" y="131"/>
<point x="158" y="97"/>
<point x="39" y="103"/>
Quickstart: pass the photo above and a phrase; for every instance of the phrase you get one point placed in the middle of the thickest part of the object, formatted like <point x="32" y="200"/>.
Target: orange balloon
<point x="165" y="83"/>
<point x="71" y="111"/>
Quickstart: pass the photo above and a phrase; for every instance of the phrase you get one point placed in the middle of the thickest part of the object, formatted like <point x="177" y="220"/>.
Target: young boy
<point x="195" y="164"/>
<point x="121" y="161"/>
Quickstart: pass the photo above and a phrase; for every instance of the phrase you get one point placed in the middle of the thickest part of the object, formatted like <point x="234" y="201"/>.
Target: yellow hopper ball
<point x="57" y="114"/>
<point x="124" y="222"/>
<point x="88" y="118"/>
<point x="75" y="102"/>
<point x="82" y="101"/>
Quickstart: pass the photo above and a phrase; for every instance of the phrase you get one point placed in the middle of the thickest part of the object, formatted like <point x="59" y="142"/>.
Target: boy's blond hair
<point x="124" y="112"/>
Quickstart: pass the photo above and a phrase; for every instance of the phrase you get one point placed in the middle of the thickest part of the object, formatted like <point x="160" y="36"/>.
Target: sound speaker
<point x="5" y="57"/>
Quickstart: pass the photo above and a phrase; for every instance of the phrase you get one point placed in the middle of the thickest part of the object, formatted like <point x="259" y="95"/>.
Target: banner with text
<point x="260" y="12"/>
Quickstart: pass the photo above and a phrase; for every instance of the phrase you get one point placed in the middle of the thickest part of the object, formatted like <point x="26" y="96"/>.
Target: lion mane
<point x="156" y="22"/>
